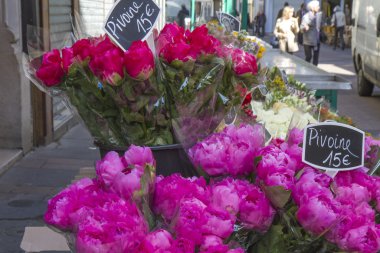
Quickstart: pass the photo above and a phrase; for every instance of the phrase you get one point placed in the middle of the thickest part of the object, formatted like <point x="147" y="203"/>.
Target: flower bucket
<point x="170" y="159"/>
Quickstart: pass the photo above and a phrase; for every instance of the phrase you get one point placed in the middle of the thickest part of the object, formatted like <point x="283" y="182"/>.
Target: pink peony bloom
<point x="67" y="58"/>
<point x="228" y="153"/>
<point x="311" y="183"/>
<point x="211" y="154"/>
<point x="51" y="71"/>
<point x="295" y="137"/>
<point x="364" y="239"/>
<point x="353" y="195"/>
<point x="137" y="66"/>
<point x="183" y="245"/>
<point x="218" y="222"/>
<point x="159" y="241"/>
<point x="66" y="203"/>
<point x="225" y="195"/>
<point x="318" y="213"/>
<point x="243" y="62"/>
<point x="127" y="182"/>
<point x="351" y="217"/>
<point x="114" y="227"/>
<point x="358" y="176"/>
<point x="212" y="243"/>
<point x="170" y="190"/>
<point x="203" y="43"/>
<point x="108" y="168"/>
<point x="171" y="33"/>
<point x="180" y="51"/>
<point x="137" y="157"/>
<point x="256" y="211"/>
<point x="82" y="49"/>
<point x="253" y="135"/>
<point x="275" y="168"/>
<point x="189" y="220"/>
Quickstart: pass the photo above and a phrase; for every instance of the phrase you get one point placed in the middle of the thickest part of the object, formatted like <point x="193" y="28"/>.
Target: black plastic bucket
<point x="170" y="159"/>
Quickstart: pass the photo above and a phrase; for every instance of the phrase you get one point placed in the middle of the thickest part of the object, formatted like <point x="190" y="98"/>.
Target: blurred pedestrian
<point x="260" y="21"/>
<point x="302" y="11"/>
<point x="310" y="32"/>
<point x="339" y="22"/>
<point x="279" y="14"/>
<point x="286" y="31"/>
<point x="347" y="13"/>
<point x="182" y="14"/>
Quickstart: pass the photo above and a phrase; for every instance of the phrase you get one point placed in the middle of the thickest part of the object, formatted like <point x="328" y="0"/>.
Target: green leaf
<point x="277" y="195"/>
<point x="273" y="241"/>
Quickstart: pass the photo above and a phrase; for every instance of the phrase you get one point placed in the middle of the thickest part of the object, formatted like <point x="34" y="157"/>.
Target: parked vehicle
<point x="366" y="44"/>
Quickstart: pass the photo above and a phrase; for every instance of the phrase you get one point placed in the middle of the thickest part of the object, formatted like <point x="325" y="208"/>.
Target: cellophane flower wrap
<point x="193" y="71"/>
<point x="116" y="93"/>
<point x="66" y="72"/>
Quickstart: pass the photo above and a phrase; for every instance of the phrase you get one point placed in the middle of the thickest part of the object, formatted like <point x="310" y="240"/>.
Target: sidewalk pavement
<point x="26" y="187"/>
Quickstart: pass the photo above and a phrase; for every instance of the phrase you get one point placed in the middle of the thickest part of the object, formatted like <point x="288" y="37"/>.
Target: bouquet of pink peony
<point x="314" y="212"/>
<point x="127" y="209"/>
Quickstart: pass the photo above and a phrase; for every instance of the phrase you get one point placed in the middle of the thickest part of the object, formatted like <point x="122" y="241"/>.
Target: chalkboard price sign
<point x="131" y="20"/>
<point x="229" y="22"/>
<point x="333" y="146"/>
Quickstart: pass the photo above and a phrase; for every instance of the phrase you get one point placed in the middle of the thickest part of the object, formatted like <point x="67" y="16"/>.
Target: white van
<point x="366" y="44"/>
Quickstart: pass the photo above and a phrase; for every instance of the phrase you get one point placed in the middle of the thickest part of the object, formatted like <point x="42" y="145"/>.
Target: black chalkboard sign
<point x="333" y="146"/>
<point x="131" y="20"/>
<point x="229" y="22"/>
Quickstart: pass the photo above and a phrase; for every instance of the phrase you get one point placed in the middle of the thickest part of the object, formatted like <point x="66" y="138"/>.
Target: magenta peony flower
<point x="211" y="154"/>
<point x="82" y="49"/>
<point x="67" y="58"/>
<point x="159" y="241"/>
<point x="231" y="152"/>
<point x="253" y="135"/>
<point x="212" y="243"/>
<point x="108" y="168"/>
<point x="256" y="211"/>
<point x="311" y="183"/>
<point x="137" y="66"/>
<point x="353" y="195"/>
<point x="364" y="239"/>
<point x="66" y="203"/>
<point x="189" y="220"/>
<point x="114" y="227"/>
<point x="275" y="168"/>
<point x="225" y="195"/>
<point x="318" y="213"/>
<point x="51" y="71"/>
<point x="180" y="51"/>
<point x="170" y="190"/>
<point x="218" y="222"/>
<point x="358" y="176"/>
<point x="127" y="182"/>
<point x="243" y="62"/>
<point x="171" y="33"/>
<point x="203" y="43"/>
<point x="295" y="136"/>
<point x="183" y="245"/>
<point x="137" y="157"/>
<point x="351" y="217"/>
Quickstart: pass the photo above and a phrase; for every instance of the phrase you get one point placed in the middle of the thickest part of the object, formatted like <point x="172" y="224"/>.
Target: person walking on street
<point x="302" y="11"/>
<point x="310" y="32"/>
<point x="279" y="14"/>
<point x="260" y="21"/>
<point x="286" y="31"/>
<point x="182" y="14"/>
<point x="339" y="21"/>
